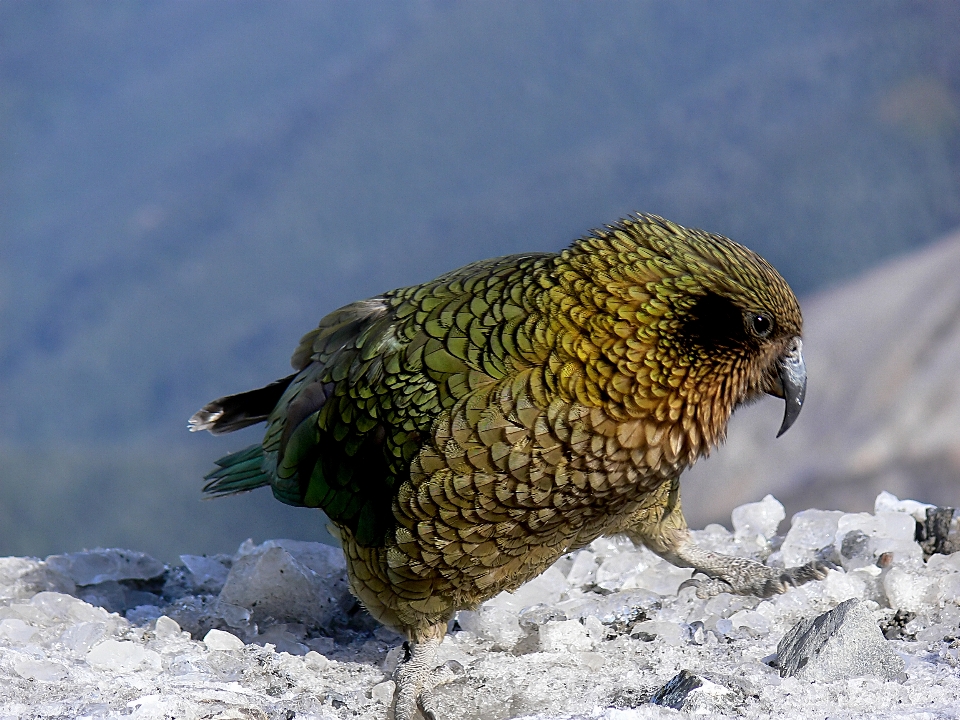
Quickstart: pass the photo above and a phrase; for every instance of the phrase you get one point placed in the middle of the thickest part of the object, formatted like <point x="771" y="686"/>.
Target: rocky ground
<point x="272" y="632"/>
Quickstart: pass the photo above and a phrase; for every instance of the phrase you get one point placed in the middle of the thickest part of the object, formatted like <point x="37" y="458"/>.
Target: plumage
<point x="465" y="433"/>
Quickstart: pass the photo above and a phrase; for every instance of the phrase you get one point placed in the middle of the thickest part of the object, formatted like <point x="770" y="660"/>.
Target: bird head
<point x="688" y="326"/>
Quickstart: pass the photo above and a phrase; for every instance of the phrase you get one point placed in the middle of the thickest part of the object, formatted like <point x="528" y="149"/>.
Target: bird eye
<point x="761" y="324"/>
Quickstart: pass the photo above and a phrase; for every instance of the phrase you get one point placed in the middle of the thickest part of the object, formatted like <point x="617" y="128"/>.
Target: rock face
<point x="882" y="406"/>
<point x="842" y="643"/>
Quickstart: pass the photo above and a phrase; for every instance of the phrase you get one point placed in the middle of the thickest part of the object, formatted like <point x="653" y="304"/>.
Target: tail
<point x="233" y="412"/>
<point x="236" y="473"/>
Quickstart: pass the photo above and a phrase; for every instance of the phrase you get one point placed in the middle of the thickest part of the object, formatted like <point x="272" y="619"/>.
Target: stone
<point x="694" y="694"/>
<point x="933" y="533"/>
<point x="840" y="644"/>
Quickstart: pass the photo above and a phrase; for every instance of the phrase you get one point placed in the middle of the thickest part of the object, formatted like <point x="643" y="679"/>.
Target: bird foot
<point x="747" y="577"/>
<point x="416" y="679"/>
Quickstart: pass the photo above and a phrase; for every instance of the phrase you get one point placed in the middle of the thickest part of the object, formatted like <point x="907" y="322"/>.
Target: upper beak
<point x="793" y="381"/>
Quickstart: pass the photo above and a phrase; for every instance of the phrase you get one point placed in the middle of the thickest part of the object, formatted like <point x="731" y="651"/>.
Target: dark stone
<point x="933" y="532"/>
<point x="674" y="693"/>
<point x="842" y="643"/>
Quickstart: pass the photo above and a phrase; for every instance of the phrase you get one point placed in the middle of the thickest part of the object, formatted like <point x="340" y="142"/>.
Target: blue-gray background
<point x="187" y="187"/>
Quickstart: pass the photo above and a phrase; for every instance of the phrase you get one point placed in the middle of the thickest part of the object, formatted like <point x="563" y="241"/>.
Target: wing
<point x="375" y="375"/>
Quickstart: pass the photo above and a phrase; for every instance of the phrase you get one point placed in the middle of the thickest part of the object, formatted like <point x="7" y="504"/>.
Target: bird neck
<point x="616" y="352"/>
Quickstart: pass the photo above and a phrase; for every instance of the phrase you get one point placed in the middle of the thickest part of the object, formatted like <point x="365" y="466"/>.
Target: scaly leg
<point x="660" y="525"/>
<point x="417" y="676"/>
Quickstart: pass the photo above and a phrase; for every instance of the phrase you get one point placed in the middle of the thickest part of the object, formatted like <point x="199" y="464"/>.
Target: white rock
<point x="220" y="640"/>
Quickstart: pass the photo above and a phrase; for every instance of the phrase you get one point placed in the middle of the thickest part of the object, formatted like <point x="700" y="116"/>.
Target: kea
<point x="463" y="434"/>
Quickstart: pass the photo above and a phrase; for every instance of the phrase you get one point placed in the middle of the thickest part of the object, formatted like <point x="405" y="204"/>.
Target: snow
<point x="272" y="632"/>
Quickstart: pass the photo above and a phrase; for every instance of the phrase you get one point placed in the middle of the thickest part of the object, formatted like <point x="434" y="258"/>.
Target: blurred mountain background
<point x="187" y="187"/>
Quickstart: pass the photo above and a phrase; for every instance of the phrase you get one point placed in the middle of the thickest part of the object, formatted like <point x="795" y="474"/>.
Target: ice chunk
<point x="270" y="582"/>
<point x="220" y="640"/>
<point x="620" y="570"/>
<point x="840" y="644"/>
<point x="758" y="518"/>
<point x="670" y="632"/>
<point x="285" y="637"/>
<point x="948" y="588"/>
<point x="21" y="578"/>
<point x="323" y="559"/>
<point x="810" y="531"/>
<point x="657" y="575"/>
<point x="888" y="502"/>
<point x="207" y="573"/>
<point x="908" y="591"/>
<point x="862" y="538"/>
<point x="565" y="636"/>
<point x="81" y="637"/>
<point x="59" y="607"/>
<point x="167" y="628"/>
<point x="109" y="595"/>
<point x="584" y="569"/>
<point x="40" y="670"/>
<point x="491" y="622"/>
<point x="16" y="631"/>
<point x="383" y="692"/>
<point x="122" y="655"/>
<point x="545" y="588"/>
<point x="750" y="619"/>
<point x="96" y="566"/>
<point x="143" y="614"/>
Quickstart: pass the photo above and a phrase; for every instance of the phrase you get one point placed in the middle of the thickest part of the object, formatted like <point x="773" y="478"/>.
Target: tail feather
<point x="237" y="473"/>
<point x="233" y="412"/>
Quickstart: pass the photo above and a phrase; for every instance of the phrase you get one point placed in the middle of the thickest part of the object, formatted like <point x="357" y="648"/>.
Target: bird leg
<point x="659" y="524"/>
<point x="417" y="675"/>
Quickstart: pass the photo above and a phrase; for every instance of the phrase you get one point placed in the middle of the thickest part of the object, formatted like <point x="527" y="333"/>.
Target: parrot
<point x="463" y="434"/>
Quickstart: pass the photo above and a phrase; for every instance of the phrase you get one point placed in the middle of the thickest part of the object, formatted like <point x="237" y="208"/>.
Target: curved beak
<point x="793" y="381"/>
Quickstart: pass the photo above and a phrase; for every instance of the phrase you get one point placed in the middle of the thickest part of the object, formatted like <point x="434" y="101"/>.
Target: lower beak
<point x="793" y="381"/>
